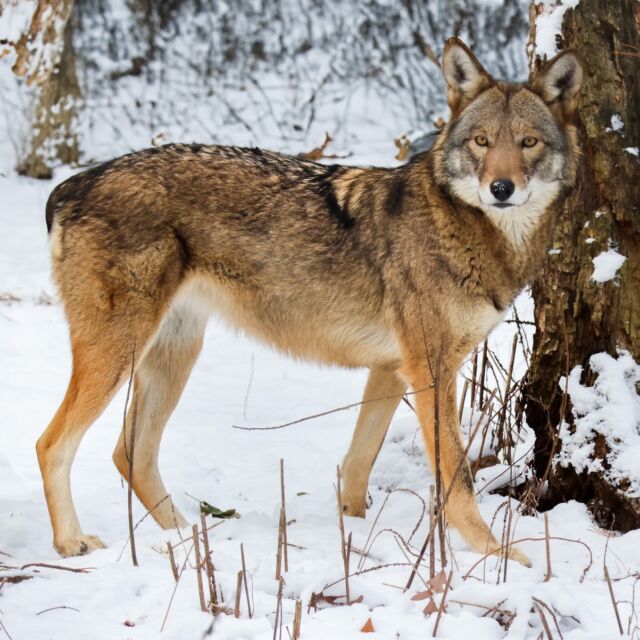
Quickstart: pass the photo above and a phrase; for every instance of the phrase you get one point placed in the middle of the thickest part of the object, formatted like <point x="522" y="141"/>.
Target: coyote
<point x="403" y="271"/>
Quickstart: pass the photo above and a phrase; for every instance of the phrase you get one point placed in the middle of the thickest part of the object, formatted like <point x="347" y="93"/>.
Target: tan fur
<point x="398" y="270"/>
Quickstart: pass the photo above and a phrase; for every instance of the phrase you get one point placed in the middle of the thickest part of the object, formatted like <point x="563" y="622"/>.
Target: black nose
<point x="501" y="189"/>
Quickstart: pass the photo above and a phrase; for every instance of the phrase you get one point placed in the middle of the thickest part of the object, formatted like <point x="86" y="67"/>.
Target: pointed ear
<point x="558" y="82"/>
<point x="464" y="75"/>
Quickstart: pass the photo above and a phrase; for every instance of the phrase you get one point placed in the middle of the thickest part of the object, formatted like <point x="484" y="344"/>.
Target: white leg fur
<point x="159" y="382"/>
<point x="382" y="395"/>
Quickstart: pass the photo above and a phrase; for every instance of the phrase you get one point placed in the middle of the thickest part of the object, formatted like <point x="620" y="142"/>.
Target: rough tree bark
<point x="575" y="316"/>
<point x="44" y="58"/>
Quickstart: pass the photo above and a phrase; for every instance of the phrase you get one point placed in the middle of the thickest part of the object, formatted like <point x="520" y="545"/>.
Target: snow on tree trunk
<point x="44" y="58"/>
<point x="587" y="298"/>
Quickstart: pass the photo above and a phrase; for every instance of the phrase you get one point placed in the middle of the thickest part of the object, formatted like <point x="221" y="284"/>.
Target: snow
<point x="549" y="26"/>
<point x="15" y="18"/>
<point x="616" y="123"/>
<point x="634" y="151"/>
<point x="606" y="265"/>
<point x="611" y="407"/>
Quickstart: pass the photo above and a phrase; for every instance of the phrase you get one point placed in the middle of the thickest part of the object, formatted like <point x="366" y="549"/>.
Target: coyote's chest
<point x="473" y="321"/>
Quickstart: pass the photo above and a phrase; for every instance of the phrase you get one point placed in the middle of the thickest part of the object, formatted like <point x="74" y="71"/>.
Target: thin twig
<point x="345" y="549"/>
<point x="132" y="537"/>
<point x="129" y="455"/>
<point x="330" y="411"/>
<point x="62" y="606"/>
<point x="297" y="620"/>
<point x="245" y="580"/>
<point x="208" y="564"/>
<point x="442" y="603"/>
<point x="278" y="619"/>
<point x="196" y="546"/>
<point x="548" y="574"/>
<point x="281" y="526"/>
<point x="499" y="549"/>
<point x="483" y="373"/>
<point x="172" y="560"/>
<point x="236" y="610"/>
<point x="46" y="565"/>
<point x="545" y="624"/>
<point x="439" y="487"/>
<point x="284" y="516"/>
<point x="613" y="599"/>
<point x="474" y="373"/>
<point x="432" y="519"/>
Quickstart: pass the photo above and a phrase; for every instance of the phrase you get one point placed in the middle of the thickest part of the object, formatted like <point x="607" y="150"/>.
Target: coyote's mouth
<point x="505" y="205"/>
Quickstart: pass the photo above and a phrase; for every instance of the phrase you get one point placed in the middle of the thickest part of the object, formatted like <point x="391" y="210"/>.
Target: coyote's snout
<point x="403" y="271"/>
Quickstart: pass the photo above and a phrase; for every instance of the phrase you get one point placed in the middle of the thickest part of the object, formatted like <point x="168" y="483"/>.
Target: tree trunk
<point x="576" y="316"/>
<point x="44" y="57"/>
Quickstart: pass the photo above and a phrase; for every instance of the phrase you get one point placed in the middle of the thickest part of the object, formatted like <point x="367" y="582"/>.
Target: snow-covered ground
<point x="237" y="382"/>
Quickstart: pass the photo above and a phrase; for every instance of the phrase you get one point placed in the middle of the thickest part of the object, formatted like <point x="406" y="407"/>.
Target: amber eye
<point x="481" y="141"/>
<point x="529" y="142"/>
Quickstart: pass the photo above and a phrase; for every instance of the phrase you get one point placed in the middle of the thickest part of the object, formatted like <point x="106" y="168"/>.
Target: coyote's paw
<point x="518" y="556"/>
<point x="354" y="506"/>
<point x="78" y="546"/>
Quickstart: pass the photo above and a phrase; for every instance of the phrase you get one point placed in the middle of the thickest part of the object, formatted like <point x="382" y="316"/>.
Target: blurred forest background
<point x="274" y="73"/>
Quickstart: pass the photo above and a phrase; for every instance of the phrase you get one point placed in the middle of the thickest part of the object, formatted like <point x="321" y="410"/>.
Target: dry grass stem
<point x="277" y="623"/>
<point x="246" y="581"/>
<point x="545" y="624"/>
<point x="281" y="526"/>
<point x="297" y="620"/>
<point x="208" y="564"/>
<point x="548" y="574"/>
<point x="132" y="537"/>
<point x="439" y="488"/>
<point x="513" y="542"/>
<point x="432" y="519"/>
<point x="236" y="610"/>
<point x="285" y="542"/>
<point x="483" y="375"/>
<point x="613" y="599"/>
<point x="344" y="546"/>
<point x="465" y="389"/>
<point x="196" y="546"/>
<point x="172" y="560"/>
<point x="442" y="604"/>
<point x="129" y="455"/>
<point x="507" y="390"/>
<point x="474" y="374"/>
<point x="345" y="407"/>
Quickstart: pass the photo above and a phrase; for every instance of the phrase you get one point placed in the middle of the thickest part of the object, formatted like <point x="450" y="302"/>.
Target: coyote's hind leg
<point x="101" y="362"/>
<point x="159" y="382"/>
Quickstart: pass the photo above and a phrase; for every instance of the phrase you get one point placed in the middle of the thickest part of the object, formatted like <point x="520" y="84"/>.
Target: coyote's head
<point x="508" y="149"/>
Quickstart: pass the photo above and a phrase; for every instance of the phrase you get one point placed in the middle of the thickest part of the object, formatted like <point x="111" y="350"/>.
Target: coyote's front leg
<point x="431" y="382"/>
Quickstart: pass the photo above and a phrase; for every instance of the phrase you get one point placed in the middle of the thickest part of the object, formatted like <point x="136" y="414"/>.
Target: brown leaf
<point x="318" y="152"/>
<point x="368" y="627"/>
<point x="402" y="143"/>
<point x="422" y="595"/>
<point x="430" y="608"/>
<point x="438" y="581"/>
